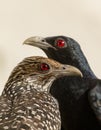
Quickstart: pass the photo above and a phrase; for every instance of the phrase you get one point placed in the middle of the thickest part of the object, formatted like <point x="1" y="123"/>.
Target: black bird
<point x="79" y="98"/>
<point x="26" y="103"/>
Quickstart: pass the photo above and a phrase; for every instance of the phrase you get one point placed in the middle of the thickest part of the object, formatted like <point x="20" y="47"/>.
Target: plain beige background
<point x="20" y="19"/>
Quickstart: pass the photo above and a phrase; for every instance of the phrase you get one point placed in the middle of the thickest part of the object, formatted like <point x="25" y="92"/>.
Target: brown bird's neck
<point x="18" y="87"/>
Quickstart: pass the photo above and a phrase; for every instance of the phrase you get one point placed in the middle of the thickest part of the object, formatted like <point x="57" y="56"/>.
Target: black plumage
<point x="81" y="95"/>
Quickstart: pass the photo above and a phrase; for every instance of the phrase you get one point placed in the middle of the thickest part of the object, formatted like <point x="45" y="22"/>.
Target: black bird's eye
<point x="60" y="43"/>
<point x="44" y="67"/>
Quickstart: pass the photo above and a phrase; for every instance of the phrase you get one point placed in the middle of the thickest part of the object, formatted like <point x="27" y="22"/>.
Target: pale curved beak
<point x="39" y="42"/>
<point x="68" y="70"/>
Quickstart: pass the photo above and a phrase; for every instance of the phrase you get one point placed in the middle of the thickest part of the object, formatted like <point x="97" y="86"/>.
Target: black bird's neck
<point x="78" y="60"/>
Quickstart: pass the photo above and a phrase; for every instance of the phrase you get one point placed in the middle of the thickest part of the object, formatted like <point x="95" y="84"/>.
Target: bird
<point x="26" y="102"/>
<point x="79" y="98"/>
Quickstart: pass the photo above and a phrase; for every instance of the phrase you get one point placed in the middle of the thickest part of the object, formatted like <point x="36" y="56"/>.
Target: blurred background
<point x="20" y="19"/>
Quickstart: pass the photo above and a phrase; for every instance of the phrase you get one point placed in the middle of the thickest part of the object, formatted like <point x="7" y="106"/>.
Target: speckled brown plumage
<point x="26" y="103"/>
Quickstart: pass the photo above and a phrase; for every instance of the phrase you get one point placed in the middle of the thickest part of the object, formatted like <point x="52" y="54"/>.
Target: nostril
<point x="64" y="68"/>
<point x="43" y="40"/>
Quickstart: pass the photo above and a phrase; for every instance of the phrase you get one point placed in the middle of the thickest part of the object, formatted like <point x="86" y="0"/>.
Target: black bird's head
<point x="38" y="72"/>
<point x="59" y="48"/>
<point x="63" y="49"/>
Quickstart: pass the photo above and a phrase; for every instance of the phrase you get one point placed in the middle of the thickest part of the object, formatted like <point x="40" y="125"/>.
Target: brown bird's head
<point x="38" y="72"/>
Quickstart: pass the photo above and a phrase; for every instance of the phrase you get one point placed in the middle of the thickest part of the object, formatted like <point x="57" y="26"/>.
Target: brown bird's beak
<point x="67" y="70"/>
<point x="39" y="42"/>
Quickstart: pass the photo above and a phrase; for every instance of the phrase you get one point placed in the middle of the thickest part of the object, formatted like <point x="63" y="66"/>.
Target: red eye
<point x="60" y="43"/>
<point x="44" y="67"/>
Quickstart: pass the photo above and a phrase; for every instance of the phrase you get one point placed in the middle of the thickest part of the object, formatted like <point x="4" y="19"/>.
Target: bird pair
<point x="26" y="102"/>
<point x="79" y="98"/>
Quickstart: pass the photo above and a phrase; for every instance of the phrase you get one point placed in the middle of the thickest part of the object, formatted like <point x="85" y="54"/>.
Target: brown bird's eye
<point x="44" y="67"/>
<point x="60" y="43"/>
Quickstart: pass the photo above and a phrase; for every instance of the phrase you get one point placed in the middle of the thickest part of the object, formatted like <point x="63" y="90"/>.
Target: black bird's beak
<point x="67" y="70"/>
<point x="39" y="42"/>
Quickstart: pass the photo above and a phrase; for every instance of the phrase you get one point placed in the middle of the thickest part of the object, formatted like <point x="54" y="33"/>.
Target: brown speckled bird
<point x="26" y="103"/>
